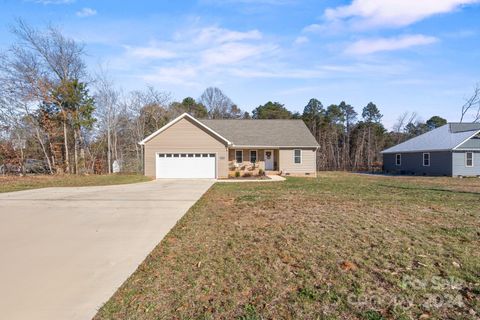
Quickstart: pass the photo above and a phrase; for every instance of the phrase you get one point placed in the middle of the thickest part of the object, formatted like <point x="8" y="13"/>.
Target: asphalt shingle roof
<point x="268" y="133"/>
<point x="444" y="138"/>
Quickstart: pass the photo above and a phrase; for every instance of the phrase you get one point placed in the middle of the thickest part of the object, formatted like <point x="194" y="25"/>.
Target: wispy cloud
<point x="301" y="40"/>
<point x="46" y="2"/>
<point x="150" y="52"/>
<point x="391" y="13"/>
<point x="367" y="14"/>
<point x="86" y="12"/>
<point x="368" y="46"/>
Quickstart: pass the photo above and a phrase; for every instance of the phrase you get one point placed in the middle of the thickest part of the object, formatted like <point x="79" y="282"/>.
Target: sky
<point x="404" y="55"/>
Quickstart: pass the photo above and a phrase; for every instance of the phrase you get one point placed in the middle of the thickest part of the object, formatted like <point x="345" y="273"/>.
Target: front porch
<point x="253" y="162"/>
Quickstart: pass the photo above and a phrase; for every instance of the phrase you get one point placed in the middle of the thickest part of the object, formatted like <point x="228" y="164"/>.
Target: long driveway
<point x="64" y="251"/>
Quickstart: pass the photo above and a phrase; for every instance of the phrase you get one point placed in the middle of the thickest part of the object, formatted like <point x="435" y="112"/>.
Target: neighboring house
<point x="450" y="150"/>
<point x="192" y="148"/>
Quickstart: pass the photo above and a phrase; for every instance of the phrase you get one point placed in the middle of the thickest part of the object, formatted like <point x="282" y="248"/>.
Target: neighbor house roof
<point x="264" y="133"/>
<point x="444" y="138"/>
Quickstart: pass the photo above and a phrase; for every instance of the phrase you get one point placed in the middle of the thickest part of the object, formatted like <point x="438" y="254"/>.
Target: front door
<point x="268" y="159"/>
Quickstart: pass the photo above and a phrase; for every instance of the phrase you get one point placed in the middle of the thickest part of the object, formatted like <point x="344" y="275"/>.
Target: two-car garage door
<point x="185" y="165"/>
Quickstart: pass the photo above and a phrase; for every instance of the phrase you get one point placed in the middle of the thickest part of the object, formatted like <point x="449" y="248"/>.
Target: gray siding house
<point x="450" y="150"/>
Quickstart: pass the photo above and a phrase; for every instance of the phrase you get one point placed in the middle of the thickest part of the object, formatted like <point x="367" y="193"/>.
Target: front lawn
<point x="342" y="246"/>
<point x="15" y="183"/>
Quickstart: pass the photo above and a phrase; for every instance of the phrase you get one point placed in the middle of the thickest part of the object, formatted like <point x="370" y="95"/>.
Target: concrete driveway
<point x="64" y="251"/>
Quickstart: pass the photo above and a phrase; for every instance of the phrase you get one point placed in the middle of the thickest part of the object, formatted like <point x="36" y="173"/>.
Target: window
<point x="297" y="156"/>
<point x="238" y="156"/>
<point x="469" y="159"/>
<point x="426" y="159"/>
<point x="253" y="156"/>
<point x="398" y="159"/>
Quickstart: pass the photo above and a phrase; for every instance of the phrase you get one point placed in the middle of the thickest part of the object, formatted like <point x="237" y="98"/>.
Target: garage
<point x="185" y="165"/>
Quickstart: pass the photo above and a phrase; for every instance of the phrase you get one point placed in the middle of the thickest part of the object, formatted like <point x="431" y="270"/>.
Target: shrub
<point x="237" y="174"/>
<point x="261" y="172"/>
<point x="247" y="174"/>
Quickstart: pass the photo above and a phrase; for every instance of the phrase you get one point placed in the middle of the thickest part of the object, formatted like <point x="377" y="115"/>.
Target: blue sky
<point x="404" y="55"/>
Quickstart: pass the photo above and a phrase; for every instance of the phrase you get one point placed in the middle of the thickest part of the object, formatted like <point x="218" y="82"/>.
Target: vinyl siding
<point x="412" y="163"/>
<point x="185" y="136"/>
<point x="308" y="165"/>
<point x="459" y="167"/>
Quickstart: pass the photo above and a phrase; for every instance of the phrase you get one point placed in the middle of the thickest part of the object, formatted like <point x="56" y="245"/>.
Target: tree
<point x="37" y="65"/>
<point x="190" y="106"/>
<point x="435" y="122"/>
<point x="219" y="106"/>
<point x="472" y="105"/>
<point x="271" y="110"/>
<point x="370" y="113"/>
<point x="312" y="115"/>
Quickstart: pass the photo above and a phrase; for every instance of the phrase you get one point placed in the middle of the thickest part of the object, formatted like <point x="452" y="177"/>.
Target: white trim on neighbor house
<point x="466" y="160"/>
<point x="423" y="159"/>
<point x="294" y="156"/>
<point x="473" y="135"/>
<point x="256" y="156"/>
<point x="171" y="123"/>
<point x="398" y="156"/>
<point x="236" y="160"/>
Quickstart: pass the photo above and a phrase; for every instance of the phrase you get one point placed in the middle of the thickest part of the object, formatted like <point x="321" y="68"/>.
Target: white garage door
<point x="185" y="165"/>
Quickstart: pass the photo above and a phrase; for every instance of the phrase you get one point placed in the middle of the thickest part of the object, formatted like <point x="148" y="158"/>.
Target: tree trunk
<point x="65" y="141"/>
<point x="75" y="150"/>
<point x="42" y="145"/>
<point x="109" y="150"/>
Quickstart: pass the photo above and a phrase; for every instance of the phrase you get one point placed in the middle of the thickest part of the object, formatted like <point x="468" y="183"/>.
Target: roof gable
<point x="444" y="138"/>
<point x="189" y="117"/>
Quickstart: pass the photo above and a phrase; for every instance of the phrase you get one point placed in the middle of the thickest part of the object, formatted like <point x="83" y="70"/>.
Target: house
<point x="196" y="148"/>
<point x="450" y="150"/>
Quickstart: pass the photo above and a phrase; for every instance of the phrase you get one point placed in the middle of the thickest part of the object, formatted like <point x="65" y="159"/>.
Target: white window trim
<point x="466" y="162"/>
<point x="256" y="156"/>
<point x="236" y="156"/>
<point x="423" y="159"/>
<point x="396" y="157"/>
<point x="301" y="156"/>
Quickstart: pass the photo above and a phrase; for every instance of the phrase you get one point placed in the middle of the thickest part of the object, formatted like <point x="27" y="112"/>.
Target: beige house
<point x="193" y="148"/>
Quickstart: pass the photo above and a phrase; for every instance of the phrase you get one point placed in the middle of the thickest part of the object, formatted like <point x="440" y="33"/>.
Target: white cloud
<point x="233" y="52"/>
<point x="150" y="52"/>
<point x="368" y="46"/>
<point x="394" y="13"/>
<point x="46" y="2"/>
<point x="301" y="40"/>
<point x="86" y="12"/>
<point x="219" y="35"/>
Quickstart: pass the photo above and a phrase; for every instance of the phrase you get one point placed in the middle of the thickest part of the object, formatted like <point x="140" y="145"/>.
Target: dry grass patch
<point x="342" y="246"/>
<point x="15" y="183"/>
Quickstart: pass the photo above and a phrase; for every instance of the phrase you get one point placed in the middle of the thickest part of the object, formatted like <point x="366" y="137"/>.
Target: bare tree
<point x="472" y="105"/>
<point x="37" y="64"/>
<point x="217" y="103"/>
<point x="107" y="112"/>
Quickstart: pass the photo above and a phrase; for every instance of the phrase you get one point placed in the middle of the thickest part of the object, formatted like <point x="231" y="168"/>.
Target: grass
<point x="15" y="183"/>
<point x="342" y="246"/>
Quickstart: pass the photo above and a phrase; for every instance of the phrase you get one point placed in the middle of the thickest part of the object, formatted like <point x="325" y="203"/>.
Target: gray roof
<point x="267" y="133"/>
<point x="444" y="138"/>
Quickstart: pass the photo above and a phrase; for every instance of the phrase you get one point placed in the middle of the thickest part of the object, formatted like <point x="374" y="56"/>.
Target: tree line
<point x="54" y="112"/>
